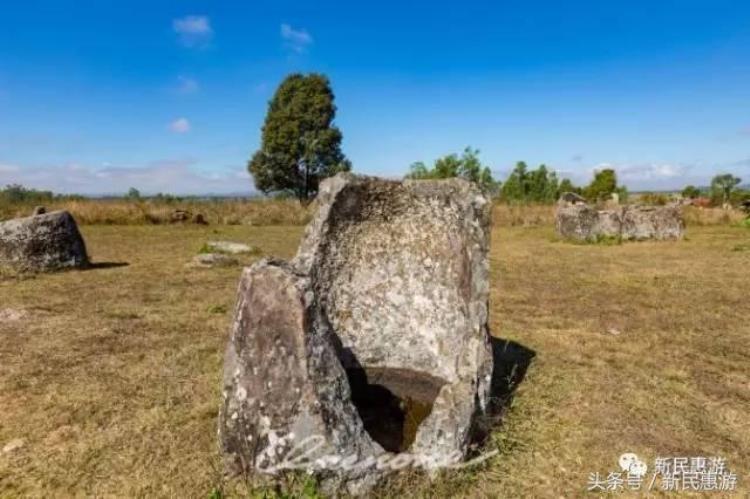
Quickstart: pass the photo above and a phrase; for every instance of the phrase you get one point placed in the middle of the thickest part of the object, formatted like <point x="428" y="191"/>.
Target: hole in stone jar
<point x="392" y="403"/>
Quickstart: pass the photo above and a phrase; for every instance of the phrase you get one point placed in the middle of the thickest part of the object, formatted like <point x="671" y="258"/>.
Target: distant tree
<point x="17" y="193"/>
<point x="418" y="170"/>
<point x="603" y="185"/>
<point x="299" y="145"/>
<point x="567" y="186"/>
<point x="488" y="183"/>
<point x="447" y="167"/>
<point x="515" y="187"/>
<point x="552" y="188"/>
<point x="14" y="193"/>
<point x="654" y="198"/>
<point x="691" y="192"/>
<point x="542" y="185"/>
<point x="622" y="193"/>
<point x="722" y="187"/>
<point x="133" y="194"/>
<point x="166" y="198"/>
<point x="467" y="166"/>
<point x="741" y="198"/>
<point x="524" y="185"/>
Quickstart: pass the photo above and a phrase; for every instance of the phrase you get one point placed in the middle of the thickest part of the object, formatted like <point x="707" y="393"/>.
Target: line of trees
<point x="724" y="190"/>
<point x="300" y="145"/>
<point x="523" y="185"/>
<point x="541" y="185"/>
<point x="18" y="194"/>
<point x="467" y="166"/>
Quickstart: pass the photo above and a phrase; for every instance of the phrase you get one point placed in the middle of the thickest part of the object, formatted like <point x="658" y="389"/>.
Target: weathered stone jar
<point x="42" y="243"/>
<point x="373" y="341"/>
<point x="576" y="220"/>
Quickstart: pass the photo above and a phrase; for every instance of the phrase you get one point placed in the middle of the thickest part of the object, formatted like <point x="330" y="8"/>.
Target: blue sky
<point x="98" y="96"/>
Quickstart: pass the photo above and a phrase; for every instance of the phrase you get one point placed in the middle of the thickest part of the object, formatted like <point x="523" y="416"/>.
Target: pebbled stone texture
<point x="383" y="311"/>
<point x="42" y="243"/>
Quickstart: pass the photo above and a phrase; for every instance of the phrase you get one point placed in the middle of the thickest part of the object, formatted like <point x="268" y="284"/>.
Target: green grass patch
<point x="217" y="309"/>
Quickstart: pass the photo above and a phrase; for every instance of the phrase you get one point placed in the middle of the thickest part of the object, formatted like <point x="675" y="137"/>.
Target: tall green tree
<point x="542" y="185"/>
<point x="525" y="185"/>
<point x="723" y="185"/>
<point x="516" y="185"/>
<point x="133" y="194"/>
<point x="603" y="185"/>
<point x="300" y="145"/>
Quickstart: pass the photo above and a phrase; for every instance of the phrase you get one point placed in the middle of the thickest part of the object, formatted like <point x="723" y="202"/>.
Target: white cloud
<point x="174" y="176"/>
<point x="193" y="31"/>
<point x="295" y="39"/>
<point x="180" y="125"/>
<point x="652" y="171"/>
<point x="187" y="85"/>
<point x="652" y="176"/>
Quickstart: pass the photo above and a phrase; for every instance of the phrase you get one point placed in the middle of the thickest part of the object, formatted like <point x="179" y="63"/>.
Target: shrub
<point x="691" y="192"/>
<point x="655" y="198"/>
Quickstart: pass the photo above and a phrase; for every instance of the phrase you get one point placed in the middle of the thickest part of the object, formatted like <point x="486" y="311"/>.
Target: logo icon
<point x="630" y="463"/>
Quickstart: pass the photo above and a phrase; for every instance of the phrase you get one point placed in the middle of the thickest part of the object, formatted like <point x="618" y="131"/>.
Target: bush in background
<point x="467" y="166"/>
<point x="157" y="209"/>
<point x="655" y="198"/>
<point x="16" y="193"/>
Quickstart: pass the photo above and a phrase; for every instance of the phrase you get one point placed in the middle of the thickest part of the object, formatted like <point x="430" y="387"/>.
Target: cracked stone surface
<point x="373" y="338"/>
<point x="42" y="243"/>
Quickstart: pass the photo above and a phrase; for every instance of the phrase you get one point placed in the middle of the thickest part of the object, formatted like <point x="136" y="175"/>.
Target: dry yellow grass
<point x="712" y="216"/>
<point x="538" y="215"/>
<point x="112" y="377"/>
<point x="261" y="212"/>
<point x="155" y="212"/>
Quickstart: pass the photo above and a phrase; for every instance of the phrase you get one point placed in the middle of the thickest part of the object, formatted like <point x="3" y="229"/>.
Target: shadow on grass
<point x="105" y="265"/>
<point x="511" y="361"/>
<point x="8" y="274"/>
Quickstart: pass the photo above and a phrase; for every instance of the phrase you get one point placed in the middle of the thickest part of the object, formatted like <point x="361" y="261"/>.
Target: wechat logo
<point x="630" y="463"/>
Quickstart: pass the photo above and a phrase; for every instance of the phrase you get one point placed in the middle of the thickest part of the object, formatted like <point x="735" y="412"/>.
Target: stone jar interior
<point x="373" y="339"/>
<point x="398" y="278"/>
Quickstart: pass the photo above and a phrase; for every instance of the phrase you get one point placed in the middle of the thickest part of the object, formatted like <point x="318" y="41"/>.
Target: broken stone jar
<point x="372" y="344"/>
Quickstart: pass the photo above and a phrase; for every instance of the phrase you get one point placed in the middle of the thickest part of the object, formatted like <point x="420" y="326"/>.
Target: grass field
<point x="269" y="211"/>
<point x="110" y="377"/>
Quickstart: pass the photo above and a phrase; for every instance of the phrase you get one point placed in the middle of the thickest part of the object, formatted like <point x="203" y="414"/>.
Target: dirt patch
<point x="12" y="315"/>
